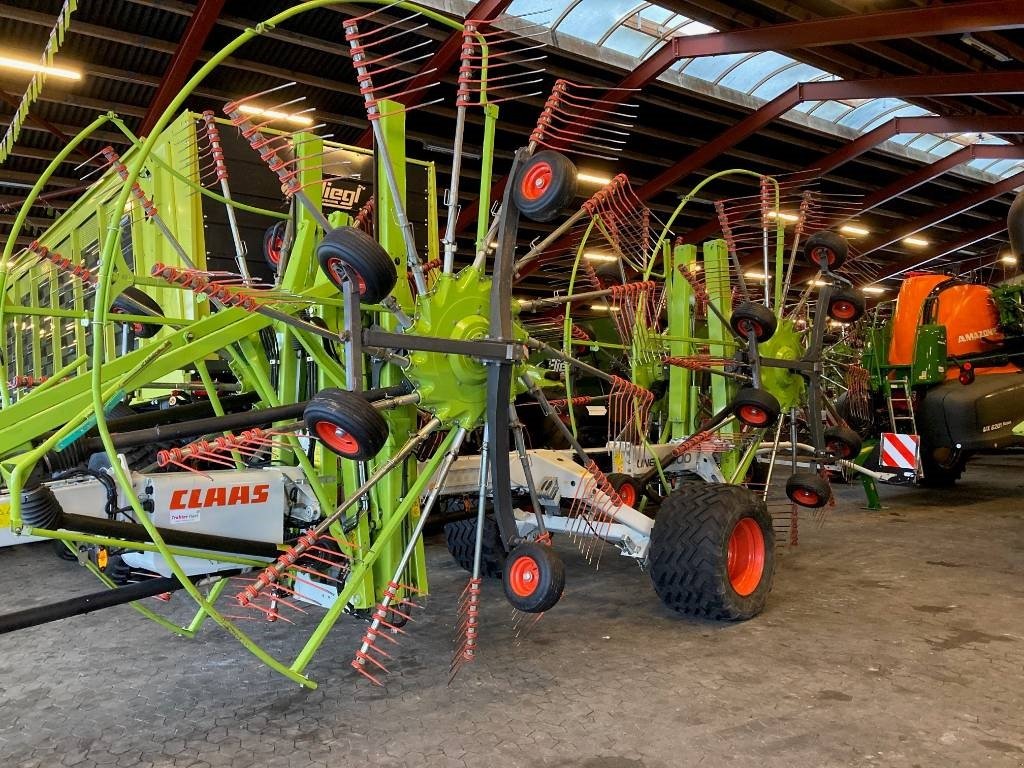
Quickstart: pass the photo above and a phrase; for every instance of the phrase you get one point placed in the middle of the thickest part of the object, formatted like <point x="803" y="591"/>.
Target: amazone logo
<point x="199" y="498"/>
<point x="975" y="335"/>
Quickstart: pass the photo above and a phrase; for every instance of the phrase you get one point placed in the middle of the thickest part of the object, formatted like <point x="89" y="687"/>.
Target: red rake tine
<point x="362" y="671"/>
<point x="369" y="658"/>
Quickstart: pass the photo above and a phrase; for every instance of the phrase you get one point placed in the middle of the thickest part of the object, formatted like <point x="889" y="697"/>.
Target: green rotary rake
<point x="284" y="437"/>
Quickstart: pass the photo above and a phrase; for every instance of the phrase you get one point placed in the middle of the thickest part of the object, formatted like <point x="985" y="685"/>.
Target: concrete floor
<point x="891" y="639"/>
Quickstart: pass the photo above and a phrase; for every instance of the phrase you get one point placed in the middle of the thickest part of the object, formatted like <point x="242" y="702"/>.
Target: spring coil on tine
<point x="201" y="285"/>
<point x="576" y="401"/>
<point x="114" y="160"/>
<point x="213" y="132"/>
<point x="603" y="484"/>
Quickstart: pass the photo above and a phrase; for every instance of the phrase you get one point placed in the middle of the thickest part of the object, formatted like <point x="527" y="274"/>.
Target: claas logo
<point x="201" y="498"/>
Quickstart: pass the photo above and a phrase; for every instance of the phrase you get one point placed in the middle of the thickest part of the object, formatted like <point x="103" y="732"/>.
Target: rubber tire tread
<point x="938" y="476"/>
<point x="849" y="296"/>
<point x="757" y="313"/>
<point x="273" y="232"/>
<point x="688" y="557"/>
<point x="362" y="254"/>
<point x="760" y="398"/>
<point x="557" y="197"/>
<point x="812" y="481"/>
<point x="354" y="415"/>
<point x="460" y="536"/>
<point x="127" y="301"/>
<point x="552" y="578"/>
<point x="826" y="239"/>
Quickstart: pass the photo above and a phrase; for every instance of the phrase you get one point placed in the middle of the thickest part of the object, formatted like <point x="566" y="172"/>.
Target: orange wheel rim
<point x="746" y="556"/>
<point x="536" y="181"/>
<point x="805" y="497"/>
<point x="336" y="438"/>
<point x="751" y="414"/>
<point x="524" y="576"/>
<point x="628" y="494"/>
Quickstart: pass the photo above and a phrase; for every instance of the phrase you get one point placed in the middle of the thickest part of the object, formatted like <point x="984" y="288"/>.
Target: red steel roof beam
<point x="945" y="19"/>
<point x="929" y="172"/>
<point x="895" y="87"/>
<point x="203" y="20"/>
<point x="944" y="249"/>
<point x="939" y="215"/>
<point x="895" y="127"/>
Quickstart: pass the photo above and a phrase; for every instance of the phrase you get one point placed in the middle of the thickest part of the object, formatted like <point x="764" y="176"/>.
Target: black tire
<point x="828" y="247"/>
<point x="347" y="253"/>
<point x="61" y="550"/>
<point x="273" y="244"/>
<point x="346" y="424"/>
<point x="942" y="466"/>
<point x="843" y="442"/>
<point x="750" y="316"/>
<point x="756" y="408"/>
<point x="628" y="488"/>
<point x="533" y="578"/>
<point x="690" y="559"/>
<point x="460" y="536"/>
<point x="545" y="184"/>
<point x="329" y="346"/>
<point x="132" y="301"/>
<point x="846" y="306"/>
<point x="117" y="570"/>
<point x="808" y="489"/>
<point x="853" y="416"/>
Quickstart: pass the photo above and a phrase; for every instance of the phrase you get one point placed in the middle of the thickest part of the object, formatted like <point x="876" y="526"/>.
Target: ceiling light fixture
<point x="592" y="178"/>
<point x="918" y="242"/>
<point x="598" y="256"/>
<point x="876" y="289"/>
<point x="1008" y="258"/>
<point x="853" y="230"/>
<point x="273" y="114"/>
<point x="603" y="308"/>
<point x="978" y="45"/>
<point x="755" y="275"/>
<point x="789" y="218"/>
<point x="8" y="62"/>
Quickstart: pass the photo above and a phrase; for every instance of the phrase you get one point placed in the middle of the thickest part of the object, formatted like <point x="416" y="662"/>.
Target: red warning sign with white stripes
<point x="900" y="451"/>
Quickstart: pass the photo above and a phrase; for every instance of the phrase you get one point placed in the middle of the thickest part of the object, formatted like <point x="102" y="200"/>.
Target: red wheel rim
<point x="840" y="449"/>
<point x="805" y="497"/>
<point x="337" y="439"/>
<point x="342" y="273"/>
<point x="524" y="576"/>
<point x="137" y="328"/>
<point x="752" y="415"/>
<point x="274" y="249"/>
<point x="746" y="556"/>
<point x="843" y="310"/>
<point x="536" y="180"/>
<point x="627" y="492"/>
<point x="824" y="253"/>
<point x="746" y="326"/>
